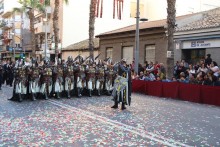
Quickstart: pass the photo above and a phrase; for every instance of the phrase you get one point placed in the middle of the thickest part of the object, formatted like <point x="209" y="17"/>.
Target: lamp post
<point x="45" y="49"/>
<point x="13" y="34"/>
<point x="137" y="38"/>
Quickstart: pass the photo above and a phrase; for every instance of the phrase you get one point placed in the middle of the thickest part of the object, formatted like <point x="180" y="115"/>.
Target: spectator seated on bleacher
<point x="149" y="76"/>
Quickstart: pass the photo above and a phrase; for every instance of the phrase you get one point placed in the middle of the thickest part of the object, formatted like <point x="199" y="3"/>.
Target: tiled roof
<point x="82" y="45"/>
<point x="209" y="19"/>
<point x="143" y="25"/>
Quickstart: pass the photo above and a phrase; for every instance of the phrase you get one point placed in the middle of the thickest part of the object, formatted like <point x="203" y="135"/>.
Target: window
<point x="150" y="53"/>
<point x="109" y="52"/>
<point x="127" y="53"/>
<point x="17" y="17"/>
<point x="17" y="31"/>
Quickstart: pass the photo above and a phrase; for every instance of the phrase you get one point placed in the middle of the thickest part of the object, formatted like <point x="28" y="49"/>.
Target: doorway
<point x="193" y="56"/>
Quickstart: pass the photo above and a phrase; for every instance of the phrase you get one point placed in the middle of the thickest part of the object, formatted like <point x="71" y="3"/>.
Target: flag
<point x="99" y="8"/>
<point x="119" y="5"/>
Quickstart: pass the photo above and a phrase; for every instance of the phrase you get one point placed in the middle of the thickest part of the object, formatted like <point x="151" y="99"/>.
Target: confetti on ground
<point x="89" y="121"/>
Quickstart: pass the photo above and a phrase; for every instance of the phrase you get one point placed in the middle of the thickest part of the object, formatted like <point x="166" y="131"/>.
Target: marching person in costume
<point x="21" y="81"/>
<point x="58" y="78"/>
<point x="80" y="77"/>
<point x="100" y="77"/>
<point x="69" y="77"/>
<point x="34" y="74"/>
<point x="122" y="86"/>
<point x="46" y="79"/>
<point x="90" y="78"/>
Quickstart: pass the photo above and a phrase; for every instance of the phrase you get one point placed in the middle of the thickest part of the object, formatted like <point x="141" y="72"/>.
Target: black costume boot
<point x="115" y="106"/>
<point x="108" y="93"/>
<point x="123" y="106"/>
<point x="33" y="97"/>
<point x="72" y="92"/>
<point x="79" y="92"/>
<point x="90" y="92"/>
<point x="20" y="99"/>
<point x="99" y="92"/>
<point x="58" y="95"/>
<point x="46" y="96"/>
<point x="68" y="94"/>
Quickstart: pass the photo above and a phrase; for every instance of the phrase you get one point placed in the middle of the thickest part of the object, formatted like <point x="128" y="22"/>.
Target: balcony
<point x="6" y="14"/>
<point x="8" y="24"/>
<point x="40" y="28"/>
<point x="40" y="14"/>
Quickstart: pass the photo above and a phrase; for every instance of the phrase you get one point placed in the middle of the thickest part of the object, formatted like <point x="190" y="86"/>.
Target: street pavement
<point x="90" y="122"/>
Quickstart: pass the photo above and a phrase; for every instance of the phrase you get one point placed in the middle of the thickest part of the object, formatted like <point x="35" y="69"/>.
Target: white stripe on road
<point x="119" y="125"/>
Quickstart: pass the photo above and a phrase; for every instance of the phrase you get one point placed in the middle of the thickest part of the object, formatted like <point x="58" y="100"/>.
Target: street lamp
<point x="137" y="36"/>
<point x="45" y="20"/>
<point x="13" y="34"/>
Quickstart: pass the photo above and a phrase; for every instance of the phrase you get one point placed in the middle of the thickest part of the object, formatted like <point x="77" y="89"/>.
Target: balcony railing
<point x="40" y="28"/>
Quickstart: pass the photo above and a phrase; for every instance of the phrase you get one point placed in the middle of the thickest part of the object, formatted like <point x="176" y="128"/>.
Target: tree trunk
<point x="33" y="41"/>
<point x="56" y="26"/>
<point x="92" y="27"/>
<point x="171" y="20"/>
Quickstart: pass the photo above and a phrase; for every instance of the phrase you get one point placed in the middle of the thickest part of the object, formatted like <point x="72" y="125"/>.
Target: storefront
<point x="194" y="50"/>
<point x="195" y="40"/>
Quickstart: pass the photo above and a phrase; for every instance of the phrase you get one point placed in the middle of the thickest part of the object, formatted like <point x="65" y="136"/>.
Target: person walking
<point x="122" y="86"/>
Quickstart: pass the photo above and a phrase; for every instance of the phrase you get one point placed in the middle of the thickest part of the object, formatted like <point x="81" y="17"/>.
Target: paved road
<point x="149" y="121"/>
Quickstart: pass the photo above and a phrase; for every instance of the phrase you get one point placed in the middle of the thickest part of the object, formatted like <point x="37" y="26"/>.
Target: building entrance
<point x="192" y="56"/>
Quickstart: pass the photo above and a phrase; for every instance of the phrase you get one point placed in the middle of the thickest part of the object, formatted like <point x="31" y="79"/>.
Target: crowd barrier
<point x="176" y="90"/>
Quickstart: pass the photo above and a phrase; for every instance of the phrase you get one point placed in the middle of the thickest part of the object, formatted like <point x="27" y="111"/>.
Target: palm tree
<point x="92" y="16"/>
<point x="30" y="6"/>
<point x="171" y="21"/>
<point x="55" y="24"/>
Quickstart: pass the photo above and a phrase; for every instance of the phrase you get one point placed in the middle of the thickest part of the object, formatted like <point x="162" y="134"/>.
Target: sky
<point x="76" y="15"/>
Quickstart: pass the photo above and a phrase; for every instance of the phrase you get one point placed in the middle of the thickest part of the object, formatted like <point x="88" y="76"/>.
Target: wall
<point x="214" y="54"/>
<point x="117" y="42"/>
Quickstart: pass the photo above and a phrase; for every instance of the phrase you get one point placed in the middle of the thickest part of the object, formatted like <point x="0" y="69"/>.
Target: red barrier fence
<point x="176" y="90"/>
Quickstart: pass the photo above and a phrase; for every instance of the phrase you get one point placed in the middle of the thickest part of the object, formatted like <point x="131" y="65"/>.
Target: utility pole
<point x="137" y="38"/>
<point x="45" y="50"/>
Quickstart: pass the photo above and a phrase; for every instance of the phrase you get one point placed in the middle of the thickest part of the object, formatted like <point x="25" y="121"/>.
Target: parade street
<point x="89" y="121"/>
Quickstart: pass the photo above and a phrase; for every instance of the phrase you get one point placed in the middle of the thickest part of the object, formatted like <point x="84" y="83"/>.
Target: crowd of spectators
<point x="204" y="72"/>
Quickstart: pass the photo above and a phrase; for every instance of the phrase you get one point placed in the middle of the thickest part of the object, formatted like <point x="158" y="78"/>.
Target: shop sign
<point x="201" y="44"/>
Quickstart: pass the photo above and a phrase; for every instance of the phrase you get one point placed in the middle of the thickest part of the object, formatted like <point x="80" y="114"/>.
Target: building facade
<point x="11" y="39"/>
<point x="199" y="38"/>
<point x="80" y="48"/>
<point x="16" y="36"/>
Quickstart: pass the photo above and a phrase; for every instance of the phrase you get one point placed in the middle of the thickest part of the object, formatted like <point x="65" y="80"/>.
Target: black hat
<point x="208" y="55"/>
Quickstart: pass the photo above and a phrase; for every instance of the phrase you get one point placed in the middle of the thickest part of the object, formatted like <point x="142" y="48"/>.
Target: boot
<point x="58" y="95"/>
<point x="90" y="92"/>
<point x="72" y="92"/>
<point x="20" y="99"/>
<point x="68" y="94"/>
<point x="46" y="97"/>
<point x="108" y="93"/>
<point x="79" y="92"/>
<point x="115" y="106"/>
<point x="123" y="106"/>
<point x="99" y="93"/>
<point x="33" y="97"/>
